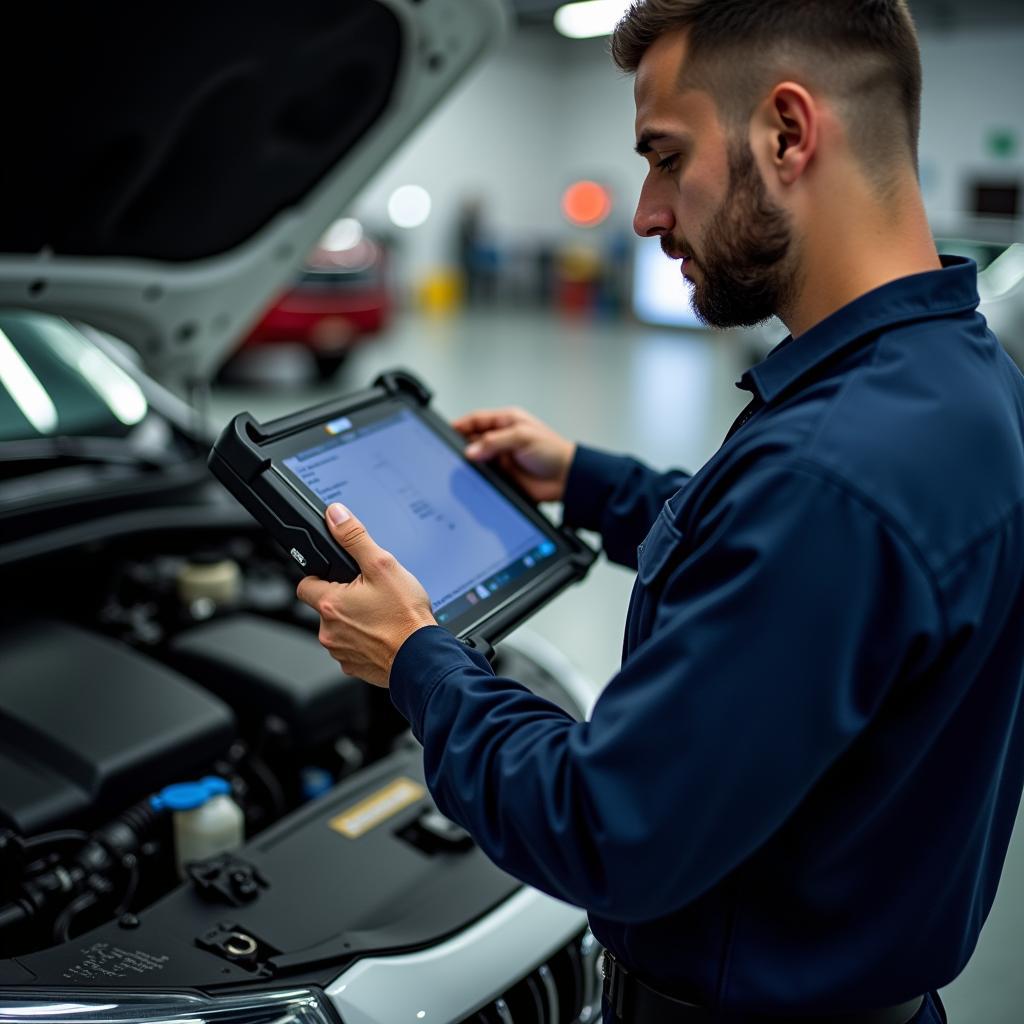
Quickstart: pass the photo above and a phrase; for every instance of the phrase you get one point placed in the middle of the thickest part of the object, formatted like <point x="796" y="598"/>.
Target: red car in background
<point x="342" y="297"/>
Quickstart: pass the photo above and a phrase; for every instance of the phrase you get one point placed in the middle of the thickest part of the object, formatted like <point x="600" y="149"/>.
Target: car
<point x="199" y="817"/>
<point x="341" y="298"/>
<point x="1000" y="287"/>
<point x="1000" y="290"/>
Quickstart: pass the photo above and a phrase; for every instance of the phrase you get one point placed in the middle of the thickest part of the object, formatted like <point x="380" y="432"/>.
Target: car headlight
<point x="90" y="1007"/>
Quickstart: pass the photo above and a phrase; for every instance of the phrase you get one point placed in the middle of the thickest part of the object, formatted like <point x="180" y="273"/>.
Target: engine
<point x="153" y="671"/>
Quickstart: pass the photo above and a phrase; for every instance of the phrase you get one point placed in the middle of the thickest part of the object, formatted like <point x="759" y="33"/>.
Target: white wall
<point x="973" y="83"/>
<point x="546" y="111"/>
<point x="492" y="139"/>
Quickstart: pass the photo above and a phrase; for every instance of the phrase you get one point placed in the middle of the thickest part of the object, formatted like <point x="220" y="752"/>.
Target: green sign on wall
<point x="1002" y="143"/>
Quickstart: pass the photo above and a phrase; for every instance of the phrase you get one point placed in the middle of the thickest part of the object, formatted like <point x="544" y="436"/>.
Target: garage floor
<point x="666" y="396"/>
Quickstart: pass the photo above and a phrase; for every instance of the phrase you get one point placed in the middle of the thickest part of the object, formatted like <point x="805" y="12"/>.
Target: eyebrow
<point x="644" y="144"/>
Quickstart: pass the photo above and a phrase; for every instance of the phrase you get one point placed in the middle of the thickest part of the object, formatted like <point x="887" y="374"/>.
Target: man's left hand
<point x="364" y="623"/>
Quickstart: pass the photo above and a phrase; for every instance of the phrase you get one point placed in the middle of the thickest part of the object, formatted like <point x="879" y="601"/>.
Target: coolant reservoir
<point x="206" y="820"/>
<point x="209" y="578"/>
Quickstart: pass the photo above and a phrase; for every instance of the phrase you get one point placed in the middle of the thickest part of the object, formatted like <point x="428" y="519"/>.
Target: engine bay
<point x="145" y="659"/>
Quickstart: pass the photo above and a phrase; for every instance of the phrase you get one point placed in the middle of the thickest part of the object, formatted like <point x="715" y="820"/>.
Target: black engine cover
<point x="264" y="667"/>
<point x="348" y="875"/>
<point x="88" y="726"/>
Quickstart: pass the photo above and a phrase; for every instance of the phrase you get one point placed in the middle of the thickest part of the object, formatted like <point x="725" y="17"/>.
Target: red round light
<point x="586" y="203"/>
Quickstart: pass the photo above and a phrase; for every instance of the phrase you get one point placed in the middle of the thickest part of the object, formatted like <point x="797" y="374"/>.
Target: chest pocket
<point x="655" y="554"/>
<point x="661" y="549"/>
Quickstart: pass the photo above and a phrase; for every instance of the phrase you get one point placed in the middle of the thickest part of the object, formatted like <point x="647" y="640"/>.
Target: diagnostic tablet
<point x="486" y="556"/>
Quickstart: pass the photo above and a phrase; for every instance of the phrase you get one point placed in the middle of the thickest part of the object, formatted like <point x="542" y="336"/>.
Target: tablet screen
<point x="420" y="499"/>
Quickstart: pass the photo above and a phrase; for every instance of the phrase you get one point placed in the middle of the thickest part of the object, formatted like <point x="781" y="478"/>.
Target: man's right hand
<point x="528" y="451"/>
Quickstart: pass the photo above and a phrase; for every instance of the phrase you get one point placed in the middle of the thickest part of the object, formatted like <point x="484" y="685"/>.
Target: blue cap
<point x="315" y="782"/>
<point x="187" y="796"/>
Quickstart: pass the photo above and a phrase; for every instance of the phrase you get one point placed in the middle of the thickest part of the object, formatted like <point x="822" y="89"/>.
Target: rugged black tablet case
<point x="239" y="462"/>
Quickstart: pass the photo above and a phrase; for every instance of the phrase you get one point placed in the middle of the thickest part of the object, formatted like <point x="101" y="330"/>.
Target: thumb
<point x="350" y="533"/>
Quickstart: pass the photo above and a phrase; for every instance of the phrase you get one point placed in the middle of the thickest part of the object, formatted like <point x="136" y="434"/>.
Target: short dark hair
<point x="863" y="54"/>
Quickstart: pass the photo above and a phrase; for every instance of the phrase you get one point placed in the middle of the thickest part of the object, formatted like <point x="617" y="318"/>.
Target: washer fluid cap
<point x="187" y="796"/>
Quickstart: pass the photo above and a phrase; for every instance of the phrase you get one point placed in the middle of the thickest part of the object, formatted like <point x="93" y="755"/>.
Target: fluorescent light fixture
<point x="121" y="395"/>
<point x="26" y="389"/>
<point x="409" y="206"/>
<point x="590" y="18"/>
<point x="343" y="235"/>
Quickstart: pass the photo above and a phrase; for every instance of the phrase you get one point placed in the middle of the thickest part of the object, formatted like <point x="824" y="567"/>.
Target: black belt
<point x="635" y="1002"/>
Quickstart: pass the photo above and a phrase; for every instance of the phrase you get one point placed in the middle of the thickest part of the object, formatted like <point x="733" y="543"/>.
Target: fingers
<point x="350" y="533"/>
<point x="311" y="590"/>
<point x="495" y="442"/>
<point x="482" y="420"/>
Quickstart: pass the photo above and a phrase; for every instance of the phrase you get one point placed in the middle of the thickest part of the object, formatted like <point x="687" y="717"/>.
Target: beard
<point x="745" y="257"/>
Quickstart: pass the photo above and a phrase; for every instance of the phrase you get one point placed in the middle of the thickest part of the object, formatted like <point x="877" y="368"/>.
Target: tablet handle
<point x="478" y="643"/>
<point x="396" y="381"/>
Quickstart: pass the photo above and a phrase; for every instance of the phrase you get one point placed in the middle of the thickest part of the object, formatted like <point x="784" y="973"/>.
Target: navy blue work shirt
<point x="798" y="791"/>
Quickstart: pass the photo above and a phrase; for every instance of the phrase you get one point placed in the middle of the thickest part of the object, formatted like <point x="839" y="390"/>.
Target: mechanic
<point x="794" y="800"/>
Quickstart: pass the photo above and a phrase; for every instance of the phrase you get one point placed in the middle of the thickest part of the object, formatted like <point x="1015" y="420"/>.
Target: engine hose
<point x="130" y="830"/>
<point x="13" y="915"/>
<point x="130" y="863"/>
<point x="110" y="849"/>
<point x="66" y="918"/>
<point x="143" y="819"/>
<point x="66" y="835"/>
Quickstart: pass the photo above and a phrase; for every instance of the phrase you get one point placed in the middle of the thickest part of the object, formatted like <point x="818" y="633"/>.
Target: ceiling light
<point x="590" y="18"/>
<point x="409" y="206"/>
<point x="342" y="235"/>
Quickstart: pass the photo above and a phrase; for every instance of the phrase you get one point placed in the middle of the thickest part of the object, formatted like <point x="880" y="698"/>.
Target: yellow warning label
<point x="376" y="808"/>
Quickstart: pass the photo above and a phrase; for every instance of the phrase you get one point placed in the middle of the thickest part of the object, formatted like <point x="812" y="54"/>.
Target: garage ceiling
<point x="930" y="14"/>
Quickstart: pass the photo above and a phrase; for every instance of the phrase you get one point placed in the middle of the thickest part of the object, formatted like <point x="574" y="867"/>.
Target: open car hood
<point x="169" y="167"/>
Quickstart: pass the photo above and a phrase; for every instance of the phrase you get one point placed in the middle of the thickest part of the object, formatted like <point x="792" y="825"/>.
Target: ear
<point x="787" y="129"/>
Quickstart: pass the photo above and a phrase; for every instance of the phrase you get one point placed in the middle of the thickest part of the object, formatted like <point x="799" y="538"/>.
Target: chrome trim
<point x="590" y="951"/>
<point x="451" y="981"/>
<point x="582" y="689"/>
<point x="551" y="991"/>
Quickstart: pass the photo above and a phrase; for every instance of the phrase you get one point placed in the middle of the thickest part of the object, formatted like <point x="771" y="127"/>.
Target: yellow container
<point x="440" y="292"/>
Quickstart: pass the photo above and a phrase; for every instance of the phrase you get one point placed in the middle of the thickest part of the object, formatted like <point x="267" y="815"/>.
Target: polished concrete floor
<point x="666" y="396"/>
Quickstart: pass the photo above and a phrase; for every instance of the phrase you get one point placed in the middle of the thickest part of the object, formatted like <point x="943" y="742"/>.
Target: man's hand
<point x="364" y="623"/>
<point x="529" y="451"/>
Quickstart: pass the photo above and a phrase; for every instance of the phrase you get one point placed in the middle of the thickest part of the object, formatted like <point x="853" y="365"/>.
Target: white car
<point x="166" y="171"/>
<point x="1000" y="288"/>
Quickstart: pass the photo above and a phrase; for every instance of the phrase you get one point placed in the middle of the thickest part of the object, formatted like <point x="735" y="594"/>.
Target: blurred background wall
<point x="518" y="192"/>
<point x="547" y="111"/>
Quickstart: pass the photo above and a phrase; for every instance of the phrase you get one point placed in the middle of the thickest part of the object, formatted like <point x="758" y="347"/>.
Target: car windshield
<point x="983" y="253"/>
<point x="54" y="382"/>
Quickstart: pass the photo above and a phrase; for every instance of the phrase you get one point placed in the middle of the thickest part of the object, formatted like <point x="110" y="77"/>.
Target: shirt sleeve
<point x="617" y="496"/>
<point x="779" y="631"/>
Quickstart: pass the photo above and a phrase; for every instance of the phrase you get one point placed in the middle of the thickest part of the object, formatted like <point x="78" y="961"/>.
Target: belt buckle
<point x="615" y="978"/>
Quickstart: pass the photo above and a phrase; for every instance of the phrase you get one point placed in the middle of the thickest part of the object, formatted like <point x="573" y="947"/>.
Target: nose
<point x="654" y="216"/>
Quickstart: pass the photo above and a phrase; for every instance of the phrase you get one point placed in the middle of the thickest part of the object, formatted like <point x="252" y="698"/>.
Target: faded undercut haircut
<point x="861" y="54"/>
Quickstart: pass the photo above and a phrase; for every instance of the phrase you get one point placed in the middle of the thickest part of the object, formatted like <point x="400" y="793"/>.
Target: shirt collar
<point x="934" y="293"/>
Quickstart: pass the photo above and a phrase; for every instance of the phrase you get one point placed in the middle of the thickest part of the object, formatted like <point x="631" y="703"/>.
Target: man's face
<point x="704" y="196"/>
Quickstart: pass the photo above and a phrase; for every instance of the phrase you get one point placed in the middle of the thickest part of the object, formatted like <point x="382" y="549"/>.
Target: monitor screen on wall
<point x="661" y="295"/>
<point x="996" y="198"/>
